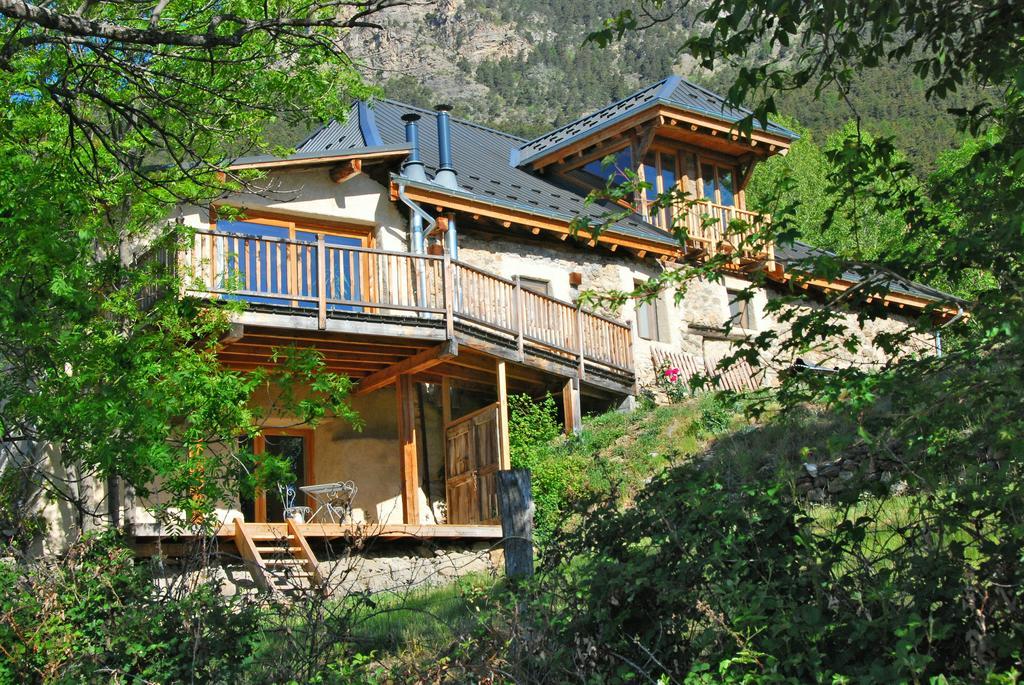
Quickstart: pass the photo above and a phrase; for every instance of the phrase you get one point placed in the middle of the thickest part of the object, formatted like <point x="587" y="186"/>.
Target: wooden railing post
<point x="579" y="339"/>
<point x="520" y="309"/>
<point x="449" y="295"/>
<point x="321" y="281"/>
<point x="213" y="263"/>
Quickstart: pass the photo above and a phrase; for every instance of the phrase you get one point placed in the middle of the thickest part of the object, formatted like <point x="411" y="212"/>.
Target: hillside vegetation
<point x="685" y="551"/>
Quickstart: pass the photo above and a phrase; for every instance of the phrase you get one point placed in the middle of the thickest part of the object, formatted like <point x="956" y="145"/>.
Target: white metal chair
<point x="291" y="511"/>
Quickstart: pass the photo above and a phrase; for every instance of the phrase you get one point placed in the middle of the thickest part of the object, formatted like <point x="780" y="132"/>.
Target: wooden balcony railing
<point x="716" y="228"/>
<point x="333" y="280"/>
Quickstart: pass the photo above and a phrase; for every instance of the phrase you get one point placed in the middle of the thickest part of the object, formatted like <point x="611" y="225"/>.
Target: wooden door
<point x="472" y="461"/>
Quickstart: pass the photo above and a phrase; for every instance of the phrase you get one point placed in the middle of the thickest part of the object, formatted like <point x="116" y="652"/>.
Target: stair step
<point x="278" y="549"/>
<point x="284" y="562"/>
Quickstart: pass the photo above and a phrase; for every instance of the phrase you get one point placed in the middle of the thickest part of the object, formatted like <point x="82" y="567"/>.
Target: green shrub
<point x="94" y="616"/>
<point x="536" y="444"/>
<point x="704" y="578"/>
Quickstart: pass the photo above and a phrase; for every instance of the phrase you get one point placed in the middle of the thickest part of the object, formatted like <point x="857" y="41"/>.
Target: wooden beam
<point x="346" y="170"/>
<point x="407" y="452"/>
<point x="505" y="454"/>
<point x="645" y="142"/>
<point x="417" y="362"/>
<point x="571" y="406"/>
<point x="317" y="161"/>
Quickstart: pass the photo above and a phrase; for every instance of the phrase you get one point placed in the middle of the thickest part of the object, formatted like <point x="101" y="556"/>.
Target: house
<point x="434" y="260"/>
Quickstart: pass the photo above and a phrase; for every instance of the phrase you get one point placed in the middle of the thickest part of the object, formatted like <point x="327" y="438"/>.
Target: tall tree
<point x="117" y="111"/>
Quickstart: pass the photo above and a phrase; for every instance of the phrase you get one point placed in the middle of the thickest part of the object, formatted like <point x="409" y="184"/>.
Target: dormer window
<point x="615" y="171"/>
<point x="718" y="183"/>
<point x="661" y="171"/>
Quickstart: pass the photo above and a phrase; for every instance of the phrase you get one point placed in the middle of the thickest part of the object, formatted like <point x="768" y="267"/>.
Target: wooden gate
<point x="472" y="460"/>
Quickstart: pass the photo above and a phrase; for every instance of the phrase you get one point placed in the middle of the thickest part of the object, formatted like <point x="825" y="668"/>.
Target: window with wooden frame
<point x="741" y="311"/>
<point x="267" y="258"/>
<point x="718" y="183"/>
<point x="537" y="285"/>
<point x="652" y="319"/>
<point x="660" y="171"/>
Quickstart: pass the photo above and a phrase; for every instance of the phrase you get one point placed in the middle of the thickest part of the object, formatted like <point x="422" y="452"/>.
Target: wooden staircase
<point x="280" y="561"/>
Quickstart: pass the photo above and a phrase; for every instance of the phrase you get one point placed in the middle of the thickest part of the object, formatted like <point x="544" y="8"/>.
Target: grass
<point x="419" y="620"/>
<point x="622" y="452"/>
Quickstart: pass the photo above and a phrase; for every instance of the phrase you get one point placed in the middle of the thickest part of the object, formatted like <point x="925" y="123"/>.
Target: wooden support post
<point x="449" y="296"/>
<point x="515" y="503"/>
<point x="505" y="457"/>
<point x="407" y="450"/>
<point x="571" y="406"/>
<point x="321" y="281"/>
<point x="446" y="401"/>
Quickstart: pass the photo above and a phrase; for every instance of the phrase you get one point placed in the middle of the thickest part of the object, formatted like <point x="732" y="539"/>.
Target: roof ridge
<point x="713" y="94"/>
<point x="459" y="120"/>
<point x="743" y="108"/>
<point x="656" y="84"/>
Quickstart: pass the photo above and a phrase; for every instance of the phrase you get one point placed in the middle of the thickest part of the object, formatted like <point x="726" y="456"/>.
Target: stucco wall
<point x="359" y="201"/>
<point x="369" y="457"/>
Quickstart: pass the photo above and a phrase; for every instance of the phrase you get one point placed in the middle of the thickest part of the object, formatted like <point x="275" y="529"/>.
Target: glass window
<point x="689" y="172"/>
<point x="707" y="174"/>
<point x="623" y="159"/>
<point x="719" y="184"/>
<point x="648" y="325"/>
<point x="725" y="187"/>
<point x="668" y="182"/>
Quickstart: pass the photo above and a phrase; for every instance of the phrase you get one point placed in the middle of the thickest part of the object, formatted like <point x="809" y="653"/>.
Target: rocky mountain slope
<point x="523" y="66"/>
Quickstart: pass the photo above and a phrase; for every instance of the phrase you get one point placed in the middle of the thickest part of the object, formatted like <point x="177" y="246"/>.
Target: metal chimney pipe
<point x="445" y="175"/>
<point x="413" y="167"/>
<point x="413" y="170"/>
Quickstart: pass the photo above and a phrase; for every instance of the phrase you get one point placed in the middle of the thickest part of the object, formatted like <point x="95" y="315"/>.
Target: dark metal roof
<point x="673" y="91"/>
<point x="800" y="255"/>
<point x="480" y="156"/>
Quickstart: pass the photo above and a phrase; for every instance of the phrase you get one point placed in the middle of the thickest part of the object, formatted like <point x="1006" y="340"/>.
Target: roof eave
<point x="319" y="158"/>
<point x="668" y="247"/>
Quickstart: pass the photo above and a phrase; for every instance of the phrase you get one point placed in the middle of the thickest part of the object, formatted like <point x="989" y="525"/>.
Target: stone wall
<point x="365" y="566"/>
<point x="820" y="481"/>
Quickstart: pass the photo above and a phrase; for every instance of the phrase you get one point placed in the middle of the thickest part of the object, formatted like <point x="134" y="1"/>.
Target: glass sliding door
<point x="269" y="261"/>
<point x="343" y="269"/>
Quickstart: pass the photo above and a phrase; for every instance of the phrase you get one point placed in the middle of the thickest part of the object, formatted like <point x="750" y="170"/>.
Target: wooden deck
<point x="313" y="285"/>
<point x="384" y="531"/>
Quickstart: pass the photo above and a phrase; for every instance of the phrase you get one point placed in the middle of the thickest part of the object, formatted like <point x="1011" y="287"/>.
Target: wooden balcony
<point x="378" y="292"/>
<point x="722" y="229"/>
